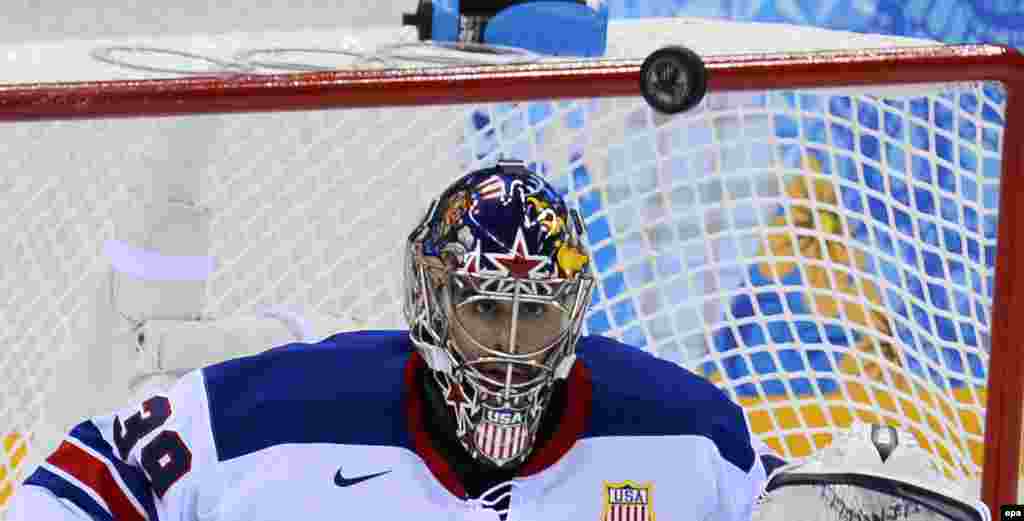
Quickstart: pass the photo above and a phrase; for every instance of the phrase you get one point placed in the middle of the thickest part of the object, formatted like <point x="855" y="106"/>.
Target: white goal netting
<point x="825" y="257"/>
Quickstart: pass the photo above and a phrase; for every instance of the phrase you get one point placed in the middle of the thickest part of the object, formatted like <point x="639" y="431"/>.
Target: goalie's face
<point x="508" y="341"/>
<point x="497" y="284"/>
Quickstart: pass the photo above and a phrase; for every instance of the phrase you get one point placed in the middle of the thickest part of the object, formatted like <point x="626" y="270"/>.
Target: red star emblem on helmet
<point x="461" y="405"/>
<point x="454" y="396"/>
<point x="519" y="263"/>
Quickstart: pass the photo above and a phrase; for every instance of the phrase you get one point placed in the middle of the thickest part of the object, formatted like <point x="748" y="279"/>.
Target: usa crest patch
<point x="627" y="501"/>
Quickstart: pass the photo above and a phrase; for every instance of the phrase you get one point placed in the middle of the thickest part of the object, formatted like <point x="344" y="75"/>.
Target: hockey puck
<point x="673" y="79"/>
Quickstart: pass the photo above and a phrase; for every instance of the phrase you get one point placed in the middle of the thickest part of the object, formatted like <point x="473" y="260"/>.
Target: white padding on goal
<point x="170" y="348"/>
<point x="347" y="47"/>
<point x="710" y="37"/>
<point x="150" y="265"/>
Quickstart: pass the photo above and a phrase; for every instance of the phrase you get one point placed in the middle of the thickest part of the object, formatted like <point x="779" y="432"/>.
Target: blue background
<point x="951" y="21"/>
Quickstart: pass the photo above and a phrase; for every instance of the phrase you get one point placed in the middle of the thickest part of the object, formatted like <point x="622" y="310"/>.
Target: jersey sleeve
<point x="770" y="460"/>
<point x="739" y="488"/>
<point x="139" y="463"/>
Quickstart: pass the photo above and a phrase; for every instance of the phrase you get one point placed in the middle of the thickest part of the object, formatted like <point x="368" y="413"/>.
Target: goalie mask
<point x="497" y="283"/>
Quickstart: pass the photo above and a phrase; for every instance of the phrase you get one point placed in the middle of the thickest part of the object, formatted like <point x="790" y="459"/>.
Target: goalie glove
<point x="870" y="472"/>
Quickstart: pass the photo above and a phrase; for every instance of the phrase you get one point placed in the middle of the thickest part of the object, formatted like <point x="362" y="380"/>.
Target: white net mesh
<point x="824" y="257"/>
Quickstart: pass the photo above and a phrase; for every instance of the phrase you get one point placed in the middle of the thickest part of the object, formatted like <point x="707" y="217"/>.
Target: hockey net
<point x="820" y="244"/>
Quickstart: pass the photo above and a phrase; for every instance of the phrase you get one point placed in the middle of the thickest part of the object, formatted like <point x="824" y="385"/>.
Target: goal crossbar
<point x="497" y="83"/>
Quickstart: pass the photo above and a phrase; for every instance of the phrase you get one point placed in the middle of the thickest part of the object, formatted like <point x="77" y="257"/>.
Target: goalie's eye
<point x="532" y="310"/>
<point x="486" y="308"/>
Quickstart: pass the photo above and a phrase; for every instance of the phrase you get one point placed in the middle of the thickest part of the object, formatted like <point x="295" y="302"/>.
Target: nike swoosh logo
<point x="342" y="481"/>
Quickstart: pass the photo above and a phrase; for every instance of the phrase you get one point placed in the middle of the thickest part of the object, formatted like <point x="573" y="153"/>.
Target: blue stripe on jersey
<point x="62" y="488"/>
<point x="346" y="389"/>
<point x="133" y="477"/>
<point x="638" y="394"/>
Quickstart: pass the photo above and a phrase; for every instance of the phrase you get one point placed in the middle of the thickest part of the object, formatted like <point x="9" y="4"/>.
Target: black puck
<point x="673" y="79"/>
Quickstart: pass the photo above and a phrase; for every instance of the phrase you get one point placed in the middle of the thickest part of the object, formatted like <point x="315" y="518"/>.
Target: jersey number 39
<point x="165" y="458"/>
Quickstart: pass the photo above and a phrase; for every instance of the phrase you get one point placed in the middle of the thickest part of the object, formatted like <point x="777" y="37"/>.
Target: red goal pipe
<point x="1003" y="423"/>
<point x="484" y="84"/>
<point x="487" y="84"/>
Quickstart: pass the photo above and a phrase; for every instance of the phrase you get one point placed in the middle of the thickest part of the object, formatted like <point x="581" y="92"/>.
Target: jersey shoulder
<point x="346" y="389"/>
<point x="634" y="393"/>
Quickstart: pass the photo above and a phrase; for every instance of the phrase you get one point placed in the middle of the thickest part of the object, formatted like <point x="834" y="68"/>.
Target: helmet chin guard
<point x="497" y="283"/>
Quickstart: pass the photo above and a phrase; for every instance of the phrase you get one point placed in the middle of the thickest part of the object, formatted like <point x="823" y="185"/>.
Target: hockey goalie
<point x="490" y="406"/>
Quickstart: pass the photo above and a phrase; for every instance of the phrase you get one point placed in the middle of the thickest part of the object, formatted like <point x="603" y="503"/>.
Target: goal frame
<point x="613" y="78"/>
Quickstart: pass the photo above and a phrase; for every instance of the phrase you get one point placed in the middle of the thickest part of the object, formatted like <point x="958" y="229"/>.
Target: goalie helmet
<point x="497" y="281"/>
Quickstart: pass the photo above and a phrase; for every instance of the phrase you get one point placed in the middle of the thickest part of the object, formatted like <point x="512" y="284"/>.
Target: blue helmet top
<point x="504" y="220"/>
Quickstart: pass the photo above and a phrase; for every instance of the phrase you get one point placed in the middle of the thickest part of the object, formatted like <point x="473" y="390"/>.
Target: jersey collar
<point x="570" y="429"/>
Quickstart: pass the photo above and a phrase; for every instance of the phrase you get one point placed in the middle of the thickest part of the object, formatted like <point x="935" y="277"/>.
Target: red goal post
<point x="617" y="78"/>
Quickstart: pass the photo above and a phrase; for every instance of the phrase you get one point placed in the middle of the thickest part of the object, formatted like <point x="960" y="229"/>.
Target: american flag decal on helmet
<point x="501" y="443"/>
<point x="627" y="501"/>
<point x="492" y="188"/>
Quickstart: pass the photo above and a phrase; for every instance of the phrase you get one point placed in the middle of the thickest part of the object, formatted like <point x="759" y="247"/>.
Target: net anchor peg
<point x="673" y="79"/>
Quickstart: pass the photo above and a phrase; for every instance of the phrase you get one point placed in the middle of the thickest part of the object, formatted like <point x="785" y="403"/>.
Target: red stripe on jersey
<point x="573" y="423"/>
<point x="94" y="473"/>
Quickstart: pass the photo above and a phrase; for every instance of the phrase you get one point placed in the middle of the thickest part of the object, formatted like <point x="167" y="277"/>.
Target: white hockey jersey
<point x="333" y="431"/>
